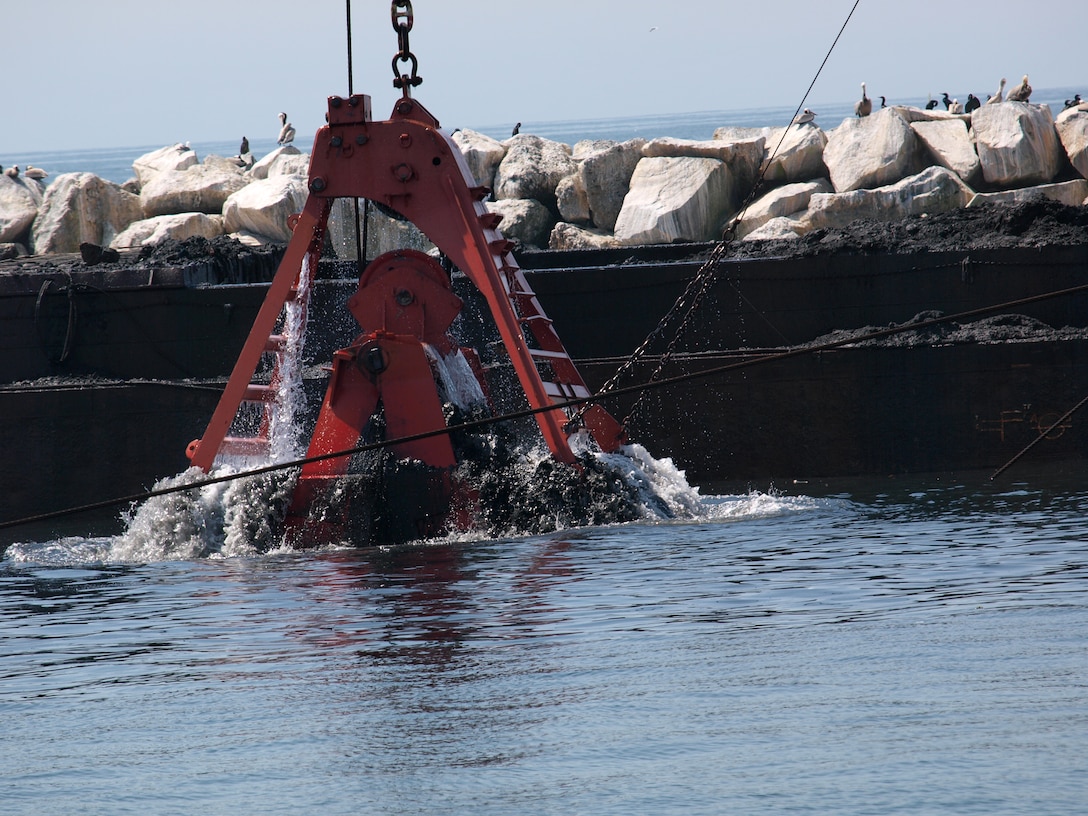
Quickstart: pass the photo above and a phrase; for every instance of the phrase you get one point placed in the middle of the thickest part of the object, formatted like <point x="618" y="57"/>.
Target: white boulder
<point x="482" y="154"/>
<point x="934" y="190"/>
<point x="174" y="158"/>
<point x="1017" y="144"/>
<point x="870" y="151"/>
<point x="382" y="231"/>
<point x="674" y="199"/>
<point x="1072" y="126"/>
<point x="200" y="188"/>
<point x="1071" y="193"/>
<point x="571" y="236"/>
<point x="19" y="202"/>
<point x="571" y="198"/>
<point x="532" y="168"/>
<point x="151" y="231"/>
<point x="606" y="168"/>
<point x="794" y="153"/>
<point x="259" y="170"/>
<point x="82" y="208"/>
<point x="742" y="158"/>
<point x="524" y="220"/>
<point x="780" y="228"/>
<point x="950" y="144"/>
<point x="263" y="207"/>
<point x="782" y="201"/>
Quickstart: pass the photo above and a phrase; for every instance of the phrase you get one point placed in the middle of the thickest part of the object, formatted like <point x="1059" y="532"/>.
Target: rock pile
<point x="758" y="183"/>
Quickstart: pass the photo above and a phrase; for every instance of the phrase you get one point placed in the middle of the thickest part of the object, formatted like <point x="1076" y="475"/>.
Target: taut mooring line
<point x="1042" y="435"/>
<point x="485" y="421"/>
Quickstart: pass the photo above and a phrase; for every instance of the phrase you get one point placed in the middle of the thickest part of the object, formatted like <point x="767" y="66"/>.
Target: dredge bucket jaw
<point x="385" y="385"/>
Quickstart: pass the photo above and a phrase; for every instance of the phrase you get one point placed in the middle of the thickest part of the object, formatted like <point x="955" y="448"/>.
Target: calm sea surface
<point x="910" y="646"/>
<point x="116" y="164"/>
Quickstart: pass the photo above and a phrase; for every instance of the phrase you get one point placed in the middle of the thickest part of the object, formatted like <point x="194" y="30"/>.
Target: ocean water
<point x="911" y="646"/>
<point x="115" y="164"/>
<point x="881" y="646"/>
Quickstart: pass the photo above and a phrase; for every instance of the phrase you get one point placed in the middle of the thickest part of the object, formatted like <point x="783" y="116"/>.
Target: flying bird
<point x="864" y="105"/>
<point x="804" y="118"/>
<point x="973" y="103"/>
<point x="35" y="173"/>
<point x="997" y="97"/>
<point x="287" y="131"/>
<point x="1021" y="93"/>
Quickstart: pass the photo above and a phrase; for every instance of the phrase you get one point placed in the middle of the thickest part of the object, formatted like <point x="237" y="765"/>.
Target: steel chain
<point x="401" y="13"/>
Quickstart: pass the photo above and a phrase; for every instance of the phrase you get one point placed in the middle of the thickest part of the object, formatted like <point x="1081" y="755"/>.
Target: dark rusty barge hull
<point x="103" y="384"/>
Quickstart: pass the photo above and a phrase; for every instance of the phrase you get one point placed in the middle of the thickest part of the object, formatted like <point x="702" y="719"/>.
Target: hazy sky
<point x="118" y="73"/>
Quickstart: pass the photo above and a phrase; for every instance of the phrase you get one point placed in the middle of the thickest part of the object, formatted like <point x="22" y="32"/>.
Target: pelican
<point x="1021" y="93"/>
<point x="287" y="131"/>
<point x="35" y="173"/>
<point x="955" y="107"/>
<point x="993" y="100"/>
<point x="12" y="172"/>
<point x="864" y="105"/>
<point x="804" y="118"/>
<point x="516" y="130"/>
<point x="972" y="103"/>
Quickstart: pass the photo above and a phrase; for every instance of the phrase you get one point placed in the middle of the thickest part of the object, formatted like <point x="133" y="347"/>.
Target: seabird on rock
<point x="883" y="102"/>
<point x="804" y="118"/>
<point x="244" y="148"/>
<point x="931" y="104"/>
<point x="181" y="147"/>
<point x="972" y="103"/>
<point x="946" y="100"/>
<point x="12" y="172"/>
<point x="1021" y="93"/>
<point x="1072" y="103"/>
<point x="997" y="97"/>
<point x="287" y="131"/>
<point x="955" y="107"/>
<point x="35" y="173"/>
<point x="864" y="105"/>
<point x="516" y="130"/>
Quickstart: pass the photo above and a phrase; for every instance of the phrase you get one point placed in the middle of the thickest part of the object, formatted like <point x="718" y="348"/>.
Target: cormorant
<point x="972" y="103"/>
<point x="244" y="148"/>
<point x="931" y="104"/>
<point x="946" y="100"/>
<point x="1072" y="103"/>
<point x="883" y="102"/>
<point x="516" y="130"/>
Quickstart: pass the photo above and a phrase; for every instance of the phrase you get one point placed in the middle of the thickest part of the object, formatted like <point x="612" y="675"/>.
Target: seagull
<point x="993" y="100"/>
<point x="654" y="28"/>
<point x="12" y="172"/>
<point x="244" y="148"/>
<point x="516" y="130"/>
<point x="804" y="118"/>
<point x="35" y="173"/>
<point x="287" y="131"/>
<point x="1021" y="93"/>
<point x="1072" y="103"/>
<point x="946" y="100"/>
<point x="972" y="103"/>
<point x="864" y="105"/>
